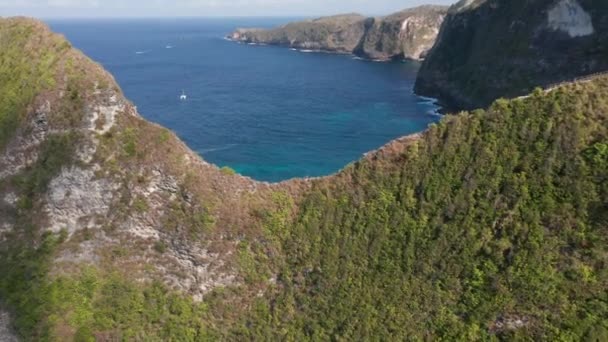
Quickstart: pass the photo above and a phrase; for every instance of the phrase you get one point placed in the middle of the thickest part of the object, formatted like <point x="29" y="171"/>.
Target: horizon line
<point x="186" y="16"/>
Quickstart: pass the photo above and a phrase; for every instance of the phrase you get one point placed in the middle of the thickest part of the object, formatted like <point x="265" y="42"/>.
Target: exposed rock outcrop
<point x="83" y="163"/>
<point x="501" y="48"/>
<point x="406" y="34"/>
<point x="6" y="334"/>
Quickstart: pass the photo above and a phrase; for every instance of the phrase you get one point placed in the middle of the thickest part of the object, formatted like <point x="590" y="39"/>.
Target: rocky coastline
<point x="408" y="34"/>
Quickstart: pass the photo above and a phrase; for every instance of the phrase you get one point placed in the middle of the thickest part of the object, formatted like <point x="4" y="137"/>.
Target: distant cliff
<point x="406" y="34"/>
<point x="505" y="48"/>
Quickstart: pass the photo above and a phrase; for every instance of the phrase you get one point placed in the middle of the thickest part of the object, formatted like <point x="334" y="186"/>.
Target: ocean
<point x="270" y="113"/>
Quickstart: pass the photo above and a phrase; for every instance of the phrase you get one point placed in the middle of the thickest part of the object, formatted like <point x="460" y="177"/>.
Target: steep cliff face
<point x="91" y="192"/>
<point x="78" y="162"/>
<point x="406" y="34"/>
<point x="489" y="225"/>
<point x="497" y="48"/>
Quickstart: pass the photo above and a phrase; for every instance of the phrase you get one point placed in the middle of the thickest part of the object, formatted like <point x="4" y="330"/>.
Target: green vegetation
<point x="129" y="142"/>
<point x="495" y="215"/>
<point x="228" y="171"/>
<point x="25" y="70"/>
<point x="160" y="247"/>
<point x="140" y="205"/>
<point x="56" y="152"/>
<point x="164" y="136"/>
<point x="197" y="220"/>
<point x="26" y="260"/>
<point x="90" y="305"/>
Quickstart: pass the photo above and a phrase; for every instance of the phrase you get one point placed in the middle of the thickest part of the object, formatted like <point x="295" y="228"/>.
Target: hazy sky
<point x="194" y="8"/>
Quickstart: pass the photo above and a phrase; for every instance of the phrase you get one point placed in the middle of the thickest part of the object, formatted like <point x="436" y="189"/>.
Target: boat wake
<point x="216" y="149"/>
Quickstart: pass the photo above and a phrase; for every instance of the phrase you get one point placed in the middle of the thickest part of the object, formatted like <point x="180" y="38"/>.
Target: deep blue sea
<point x="268" y="112"/>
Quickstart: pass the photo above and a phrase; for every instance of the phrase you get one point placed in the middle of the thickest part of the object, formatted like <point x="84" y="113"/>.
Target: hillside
<point x="406" y="34"/>
<point x="489" y="49"/>
<point x="89" y="191"/>
<point x="492" y="224"/>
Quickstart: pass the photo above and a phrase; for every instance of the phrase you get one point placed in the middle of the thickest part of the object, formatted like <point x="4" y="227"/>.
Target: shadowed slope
<point x="488" y="49"/>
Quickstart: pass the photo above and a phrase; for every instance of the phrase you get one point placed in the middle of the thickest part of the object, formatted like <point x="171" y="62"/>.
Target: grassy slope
<point x="26" y="68"/>
<point x="490" y="217"/>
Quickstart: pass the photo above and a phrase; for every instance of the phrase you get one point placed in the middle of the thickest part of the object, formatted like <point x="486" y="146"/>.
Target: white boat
<point x="183" y="97"/>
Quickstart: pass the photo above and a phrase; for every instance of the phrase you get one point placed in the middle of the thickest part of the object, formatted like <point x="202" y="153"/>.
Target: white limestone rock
<point x="569" y="17"/>
<point x="76" y="198"/>
<point x="6" y="334"/>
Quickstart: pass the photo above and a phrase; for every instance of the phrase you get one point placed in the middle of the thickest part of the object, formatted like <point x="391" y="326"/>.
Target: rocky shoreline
<point x="331" y="52"/>
<point x="408" y="34"/>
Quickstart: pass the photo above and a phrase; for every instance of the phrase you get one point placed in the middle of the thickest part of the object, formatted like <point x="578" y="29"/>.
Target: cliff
<point x="87" y="184"/>
<point x="489" y="49"/>
<point x="406" y="34"/>
<point x="489" y="225"/>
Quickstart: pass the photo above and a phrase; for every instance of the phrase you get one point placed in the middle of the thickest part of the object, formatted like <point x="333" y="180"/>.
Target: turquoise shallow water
<point x="268" y="112"/>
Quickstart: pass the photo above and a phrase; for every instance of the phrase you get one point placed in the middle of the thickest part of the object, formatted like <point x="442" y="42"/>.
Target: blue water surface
<point x="270" y="113"/>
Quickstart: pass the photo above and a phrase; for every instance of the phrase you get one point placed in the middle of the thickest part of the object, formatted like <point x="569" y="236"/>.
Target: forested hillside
<point x="492" y="225"/>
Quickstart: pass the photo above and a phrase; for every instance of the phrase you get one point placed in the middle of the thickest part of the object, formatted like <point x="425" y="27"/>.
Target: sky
<point x="201" y="8"/>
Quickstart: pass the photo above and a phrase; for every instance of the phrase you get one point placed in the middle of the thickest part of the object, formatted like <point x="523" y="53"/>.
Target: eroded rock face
<point x="77" y="200"/>
<point x="203" y="270"/>
<point x="568" y="16"/>
<point x="6" y="333"/>
<point x="489" y="49"/>
<point x="406" y="34"/>
<point x="118" y="185"/>
<point x="23" y="151"/>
